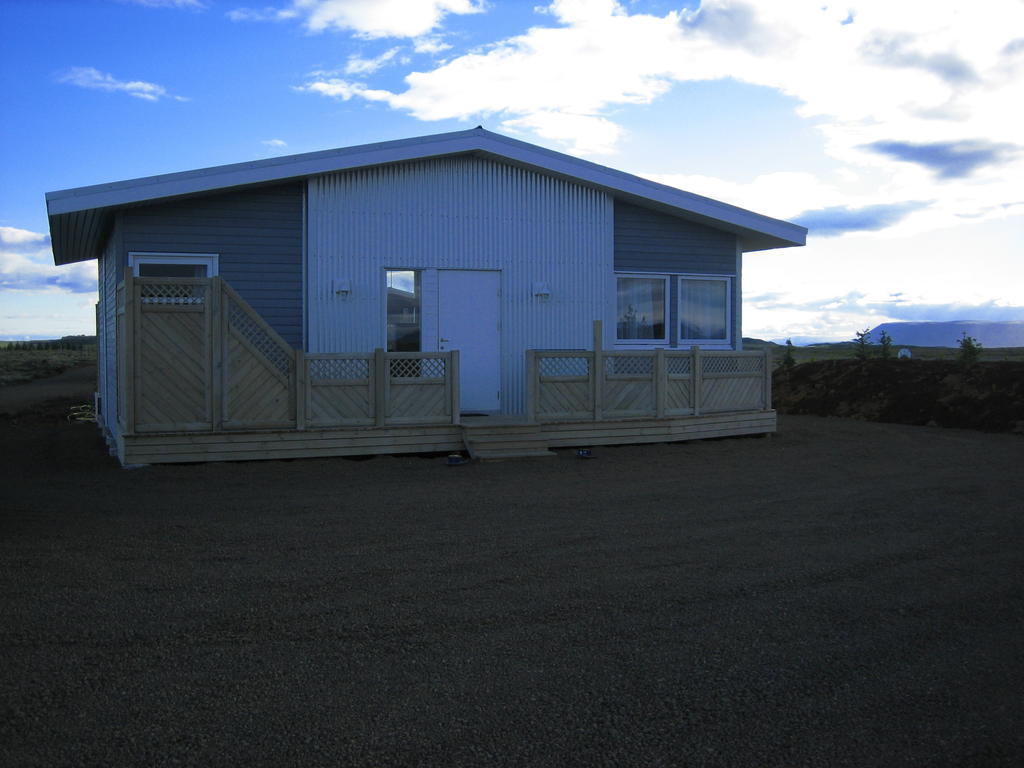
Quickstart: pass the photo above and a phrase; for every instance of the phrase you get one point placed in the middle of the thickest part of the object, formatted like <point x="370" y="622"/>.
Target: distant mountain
<point x="990" y="334"/>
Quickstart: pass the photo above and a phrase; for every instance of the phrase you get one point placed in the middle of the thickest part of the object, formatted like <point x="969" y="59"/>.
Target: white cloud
<point x="782" y="194"/>
<point x="357" y="65"/>
<point x="275" y="143"/>
<point x="365" y="18"/>
<point x="37" y="298"/>
<point x="846" y="284"/>
<point x="431" y="44"/>
<point x="382" y="18"/>
<point x="594" y="135"/>
<point x="26" y="264"/>
<point x="15" y="236"/>
<point x="335" y="88"/>
<point x="874" y="74"/>
<point x="90" y="77"/>
<point x="196" y="4"/>
<point x="25" y="317"/>
<point x="261" y="14"/>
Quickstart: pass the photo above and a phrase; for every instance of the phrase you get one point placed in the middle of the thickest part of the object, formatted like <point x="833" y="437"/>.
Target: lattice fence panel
<point x="247" y="328"/>
<point x="182" y="294"/>
<point x="713" y="364"/>
<point x="732" y="395"/>
<point x="418" y="368"/>
<point x="171" y="371"/>
<point x="563" y="366"/>
<point x="629" y="365"/>
<point x="339" y="369"/>
<point x="678" y="366"/>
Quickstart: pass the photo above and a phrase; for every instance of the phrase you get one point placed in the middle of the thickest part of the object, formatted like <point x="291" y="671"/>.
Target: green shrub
<point x="788" y="361"/>
<point x="861" y="344"/>
<point x="885" y="340"/>
<point x="970" y="350"/>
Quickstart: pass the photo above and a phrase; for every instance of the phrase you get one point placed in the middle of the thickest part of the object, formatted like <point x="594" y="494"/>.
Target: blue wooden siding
<point x="106" y="332"/>
<point x="257" y="234"/>
<point x="651" y="241"/>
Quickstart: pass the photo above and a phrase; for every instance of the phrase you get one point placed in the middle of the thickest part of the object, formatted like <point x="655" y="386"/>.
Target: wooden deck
<point x="482" y="441"/>
<point x="202" y="377"/>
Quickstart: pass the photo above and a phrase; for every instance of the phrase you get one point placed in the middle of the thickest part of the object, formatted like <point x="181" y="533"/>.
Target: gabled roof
<point x="80" y="218"/>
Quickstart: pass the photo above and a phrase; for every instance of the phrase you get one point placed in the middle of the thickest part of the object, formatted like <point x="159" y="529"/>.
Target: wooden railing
<point x="381" y="389"/>
<point x="571" y="385"/>
<point x="193" y="356"/>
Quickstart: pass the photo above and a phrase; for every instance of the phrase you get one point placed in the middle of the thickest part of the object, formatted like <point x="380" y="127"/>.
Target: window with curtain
<point x="704" y="310"/>
<point x="641" y="309"/>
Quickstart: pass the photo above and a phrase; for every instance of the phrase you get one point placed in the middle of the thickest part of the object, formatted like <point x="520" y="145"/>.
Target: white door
<point x="468" y="316"/>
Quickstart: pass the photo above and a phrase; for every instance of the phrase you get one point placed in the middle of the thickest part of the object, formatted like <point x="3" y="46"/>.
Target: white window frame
<point x="651" y="343"/>
<point x="725" y="343"/>
<point x="210" y="260"/>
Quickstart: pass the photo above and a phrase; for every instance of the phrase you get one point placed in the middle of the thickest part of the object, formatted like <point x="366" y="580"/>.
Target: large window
<point x="704" y="316"/>
<point x="404" y="298"/>
<point x="641" y="311"/>
<point x="173" y="264"/>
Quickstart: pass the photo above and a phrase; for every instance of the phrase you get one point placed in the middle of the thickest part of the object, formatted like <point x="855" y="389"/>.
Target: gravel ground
<point x="75" y="383"/>
<point x="843" y="594"/>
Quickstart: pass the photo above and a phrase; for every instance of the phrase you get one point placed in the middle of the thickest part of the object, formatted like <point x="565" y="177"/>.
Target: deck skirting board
<point x="626" y="432"/>
<point x="361" y="441"/>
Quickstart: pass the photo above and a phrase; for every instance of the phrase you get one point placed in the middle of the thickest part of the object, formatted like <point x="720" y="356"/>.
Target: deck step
<point x="490" y="454"/>
<point x="504" y="441"/>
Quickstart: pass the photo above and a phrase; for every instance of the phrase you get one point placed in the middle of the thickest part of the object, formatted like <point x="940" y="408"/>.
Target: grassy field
<point x="21" y="365"/>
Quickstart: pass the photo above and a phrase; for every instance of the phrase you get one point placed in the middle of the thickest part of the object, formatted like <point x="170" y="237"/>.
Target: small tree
<point x="861" y="342"/>
<point x="788" y="361"/>
<point x="885" y="340"/>
<point x="970" y="350"/>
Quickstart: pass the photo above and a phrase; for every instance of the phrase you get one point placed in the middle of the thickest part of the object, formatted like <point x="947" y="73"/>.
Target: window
<point x="173" y="264"/>
<point x="640" y="314"/>
<point x="404" y="297"/>
<point x="704" y="315"/>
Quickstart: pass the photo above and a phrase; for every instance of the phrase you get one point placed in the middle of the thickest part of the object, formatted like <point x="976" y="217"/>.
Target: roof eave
<point x="281" y="169"/>
<point x="74" y="207"/>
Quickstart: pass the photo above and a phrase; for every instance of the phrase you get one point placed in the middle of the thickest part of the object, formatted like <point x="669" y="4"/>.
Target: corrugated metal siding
<point x="651" y="241"/>
<point x="461" y="213"/>
<point x="257" y="234"/>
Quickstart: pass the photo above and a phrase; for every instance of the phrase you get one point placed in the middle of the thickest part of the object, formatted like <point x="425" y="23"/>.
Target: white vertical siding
<point x="461" y="213"/>
<point x="429" y="313"/>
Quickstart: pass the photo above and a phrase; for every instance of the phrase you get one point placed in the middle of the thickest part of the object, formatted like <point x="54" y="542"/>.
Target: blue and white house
<point x="412" y="249"/>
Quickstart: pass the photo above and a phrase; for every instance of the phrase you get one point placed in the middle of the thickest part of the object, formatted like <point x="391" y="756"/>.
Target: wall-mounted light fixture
<point x="342" y="288"/>
<point x="541" y="290"/>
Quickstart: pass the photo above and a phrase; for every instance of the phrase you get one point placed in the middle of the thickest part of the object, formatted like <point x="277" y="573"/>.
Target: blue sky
<point x="893" y="130"/>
